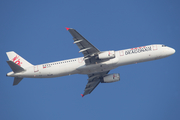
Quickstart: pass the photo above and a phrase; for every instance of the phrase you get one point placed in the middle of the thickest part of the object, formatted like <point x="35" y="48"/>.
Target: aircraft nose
<point x="172" y="50"/>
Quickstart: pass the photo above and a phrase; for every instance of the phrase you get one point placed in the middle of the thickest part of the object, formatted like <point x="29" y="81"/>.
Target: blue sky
<point x="36" y="31"/>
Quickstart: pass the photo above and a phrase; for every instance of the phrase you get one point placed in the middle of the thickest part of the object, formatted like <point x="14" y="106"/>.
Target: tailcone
<point x="10" y="74"/>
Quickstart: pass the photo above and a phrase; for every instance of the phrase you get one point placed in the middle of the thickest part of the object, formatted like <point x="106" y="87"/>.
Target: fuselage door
<point x="155" y="47"/>
<point x="36" y="68"/>
<point x="80" y="60"/>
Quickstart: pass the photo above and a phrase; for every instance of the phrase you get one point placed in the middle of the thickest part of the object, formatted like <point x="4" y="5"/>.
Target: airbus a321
<point x="95" y="63"/>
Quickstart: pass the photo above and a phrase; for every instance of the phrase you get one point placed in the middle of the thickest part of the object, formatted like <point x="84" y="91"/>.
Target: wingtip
<point x="67" y="28"/>
<point x="82" y="95"/>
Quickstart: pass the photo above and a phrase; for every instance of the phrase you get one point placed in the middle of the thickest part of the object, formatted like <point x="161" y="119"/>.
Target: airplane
<point x="95" y="63"/>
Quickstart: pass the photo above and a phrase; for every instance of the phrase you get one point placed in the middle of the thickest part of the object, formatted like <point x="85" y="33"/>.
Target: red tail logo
<point x="16" y="60"/>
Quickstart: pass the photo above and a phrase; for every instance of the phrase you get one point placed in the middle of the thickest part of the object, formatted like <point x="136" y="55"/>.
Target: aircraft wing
<point x="93" y="81"/>
<point x="84" y="45"/>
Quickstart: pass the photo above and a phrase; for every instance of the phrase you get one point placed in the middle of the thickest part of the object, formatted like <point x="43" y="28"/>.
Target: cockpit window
<point x="163" y="45"/>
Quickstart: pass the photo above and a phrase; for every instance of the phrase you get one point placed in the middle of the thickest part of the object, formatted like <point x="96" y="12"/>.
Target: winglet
<point x="67" y="28"/>
<point x="82" y="95"/>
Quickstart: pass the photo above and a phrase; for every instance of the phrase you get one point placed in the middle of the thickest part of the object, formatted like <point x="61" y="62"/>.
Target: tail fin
<point x="17" y="64"/>
<point x="14" y="57"/>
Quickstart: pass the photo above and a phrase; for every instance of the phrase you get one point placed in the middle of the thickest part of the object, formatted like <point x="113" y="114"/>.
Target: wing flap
<point x="84" y="45"/>
<point x="93" y="82"/>
<point x="91" y="86"/>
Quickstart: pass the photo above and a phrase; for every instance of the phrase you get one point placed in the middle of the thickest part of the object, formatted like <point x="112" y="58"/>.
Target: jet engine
<point x="111" y="78"/>
<point x="106" y="55"/>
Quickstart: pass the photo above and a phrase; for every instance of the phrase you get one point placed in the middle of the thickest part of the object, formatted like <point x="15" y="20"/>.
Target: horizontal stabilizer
<point x="15" y="68"/>
<point x="17" y="80"/>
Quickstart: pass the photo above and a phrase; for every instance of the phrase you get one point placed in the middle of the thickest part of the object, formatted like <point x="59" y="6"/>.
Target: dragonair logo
<point x="16" y="60"/>
<point x="138" y="50"/>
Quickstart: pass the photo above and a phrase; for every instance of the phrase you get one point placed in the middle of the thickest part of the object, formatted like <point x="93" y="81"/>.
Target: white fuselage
<point x="78" y="66"/>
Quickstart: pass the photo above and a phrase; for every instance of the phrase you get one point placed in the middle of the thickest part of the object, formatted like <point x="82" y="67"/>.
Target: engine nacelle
<point x="111" y="78"/>
<point x="106" y="55"/>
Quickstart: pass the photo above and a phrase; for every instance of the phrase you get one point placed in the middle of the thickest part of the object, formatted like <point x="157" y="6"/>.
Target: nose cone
<point x="172" y="51"/>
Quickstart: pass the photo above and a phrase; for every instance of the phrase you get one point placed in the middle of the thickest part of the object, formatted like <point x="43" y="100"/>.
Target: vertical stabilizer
<point x="18" y="59"/>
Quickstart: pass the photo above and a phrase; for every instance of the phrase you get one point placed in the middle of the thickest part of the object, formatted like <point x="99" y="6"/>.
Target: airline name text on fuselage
<point x="138" y="50"/>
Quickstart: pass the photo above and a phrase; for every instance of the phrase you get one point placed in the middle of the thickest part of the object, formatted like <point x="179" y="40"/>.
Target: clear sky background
<point x="36" y="31"/>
